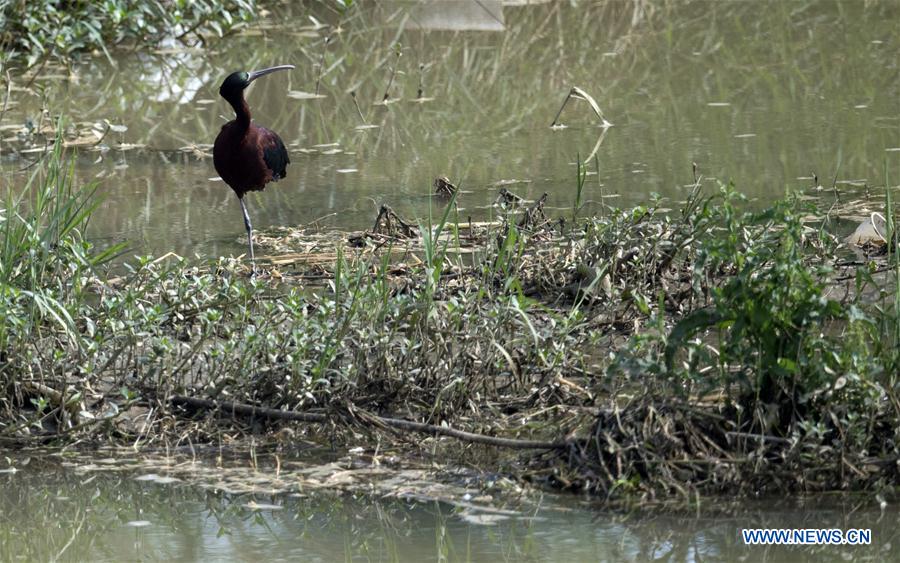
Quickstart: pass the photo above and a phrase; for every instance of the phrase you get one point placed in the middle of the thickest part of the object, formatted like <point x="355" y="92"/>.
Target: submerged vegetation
<point x="649" y="352"/>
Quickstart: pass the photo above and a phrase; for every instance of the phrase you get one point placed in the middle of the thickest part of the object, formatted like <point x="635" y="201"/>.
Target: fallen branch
<point x="250" y="410"/>
<point x="389" y="223"/>
<point x="534" y="216"/>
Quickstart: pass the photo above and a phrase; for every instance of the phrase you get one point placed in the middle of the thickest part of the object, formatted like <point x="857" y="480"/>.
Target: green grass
<point x="45" y="261"/>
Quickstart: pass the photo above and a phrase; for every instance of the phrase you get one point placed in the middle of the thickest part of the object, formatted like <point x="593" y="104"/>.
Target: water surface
<point x="765" y="93"/>
<point x="55" y="511"/>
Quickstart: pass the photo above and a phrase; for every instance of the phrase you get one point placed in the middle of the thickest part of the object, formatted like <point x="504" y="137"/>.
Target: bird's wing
<point x="275" y="154"/>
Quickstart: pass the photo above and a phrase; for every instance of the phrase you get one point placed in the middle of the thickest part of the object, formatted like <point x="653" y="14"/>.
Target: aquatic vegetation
<point x="710" y="348"/>
<point x="45" y="263"/>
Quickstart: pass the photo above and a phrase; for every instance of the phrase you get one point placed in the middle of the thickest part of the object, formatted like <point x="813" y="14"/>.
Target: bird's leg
<point x="249" y="227"/>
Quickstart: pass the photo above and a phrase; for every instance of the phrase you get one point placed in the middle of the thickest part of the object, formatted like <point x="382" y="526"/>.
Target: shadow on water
<point x="761" y="92"/>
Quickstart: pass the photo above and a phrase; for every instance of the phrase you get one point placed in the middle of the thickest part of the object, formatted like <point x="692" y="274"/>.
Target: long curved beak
<point x="257" y="73"/>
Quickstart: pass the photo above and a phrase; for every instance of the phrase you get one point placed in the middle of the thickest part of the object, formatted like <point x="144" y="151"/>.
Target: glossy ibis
<point x="246" y="155"/>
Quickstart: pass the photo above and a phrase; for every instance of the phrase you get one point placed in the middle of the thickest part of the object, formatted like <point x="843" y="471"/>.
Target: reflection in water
<point x="196" y="75"/>
<point x="52" y="513"/>
<point x="452" y="15"/>
<point x="764" y="103"/>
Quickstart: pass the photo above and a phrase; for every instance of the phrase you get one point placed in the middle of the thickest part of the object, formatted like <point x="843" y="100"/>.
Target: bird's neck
<point x="241" y="111"/>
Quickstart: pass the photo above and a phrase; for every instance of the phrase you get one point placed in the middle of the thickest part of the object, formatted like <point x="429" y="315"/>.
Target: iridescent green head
<point x="233" y="86"/>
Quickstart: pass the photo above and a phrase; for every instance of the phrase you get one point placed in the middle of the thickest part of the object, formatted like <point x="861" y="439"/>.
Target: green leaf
<point x="687" y="328"/>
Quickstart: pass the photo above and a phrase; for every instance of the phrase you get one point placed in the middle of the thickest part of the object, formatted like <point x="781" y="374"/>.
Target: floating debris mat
<point x="321" y="248"/>
<point x="314" y="253"/>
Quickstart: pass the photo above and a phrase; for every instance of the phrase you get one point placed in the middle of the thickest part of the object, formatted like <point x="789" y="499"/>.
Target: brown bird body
<point x="246" y="147"/>
<point x="245" y="155"/>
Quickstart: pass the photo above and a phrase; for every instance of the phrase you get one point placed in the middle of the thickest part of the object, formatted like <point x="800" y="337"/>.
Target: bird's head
<point x="237" y="82"/>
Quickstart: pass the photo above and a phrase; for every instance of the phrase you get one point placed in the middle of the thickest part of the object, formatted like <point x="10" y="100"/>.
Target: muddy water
<point x="765" y="93"/>
<point x="70" y="511"/>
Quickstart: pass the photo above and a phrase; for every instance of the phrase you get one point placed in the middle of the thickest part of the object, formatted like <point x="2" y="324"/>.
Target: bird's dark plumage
<point x="245" y="155"/>
<point x="276" y="156"/>
<point x="249" y="158"/>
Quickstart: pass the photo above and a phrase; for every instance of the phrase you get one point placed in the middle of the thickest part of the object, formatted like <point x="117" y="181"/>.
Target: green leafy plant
<point x="769" y="313"/>
<point x="57" y="29"/>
